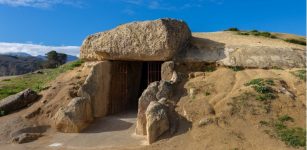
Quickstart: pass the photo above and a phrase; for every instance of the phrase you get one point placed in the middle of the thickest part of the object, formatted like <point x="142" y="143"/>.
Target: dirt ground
<point x="213" y="94"/>
<point x="111" y="132"/>
<point x="216" y="90"/>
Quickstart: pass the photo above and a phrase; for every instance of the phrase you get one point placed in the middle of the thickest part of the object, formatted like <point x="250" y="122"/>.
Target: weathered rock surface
<point x="28" y="134"/>
<point x="74" y="117"/>
<point x="157" y="121"/>
<point x="154" y="92"/>
<point x="96" y="87"/>
<point x="156" y="40"/>
<point x="147" y="96"/>
<point x="227" y="49"/>
<point x="262" y="57"/>
<point x="18" y="101"/>
<point x="26" y="138"/>
<point x="165" y="90"/>
<point x="167" y="70"/>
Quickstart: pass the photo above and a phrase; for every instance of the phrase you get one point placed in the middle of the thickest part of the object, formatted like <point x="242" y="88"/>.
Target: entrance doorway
<point x="129" y="79"/>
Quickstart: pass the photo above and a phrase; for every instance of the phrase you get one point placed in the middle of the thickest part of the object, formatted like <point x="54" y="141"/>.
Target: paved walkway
<point x="110" y="132"/>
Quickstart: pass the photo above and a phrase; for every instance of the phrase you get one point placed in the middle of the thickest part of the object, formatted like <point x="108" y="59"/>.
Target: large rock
<point x="26" y="138"/>
<point x="154" y="92"/>
<point x="156" y="40"/>
<point x="157" y="121"/>
<point x="18" y="101"/>
<point x="97" y="86"/>
<point x="167" y="70"/>
<point x="263" y="57"/>
<point x="75" y="117"/>
<point x="147" y="96"/>
<point x="229" y="49"/>
<point x="165" y="90"/>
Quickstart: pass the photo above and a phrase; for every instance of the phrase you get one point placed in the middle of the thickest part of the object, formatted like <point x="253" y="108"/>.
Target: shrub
<point x="243" y="33"/>
<point x="255" y="82"/>
<point x="295" y="41"/>
<point x="300" y="74"/>
<point x="209" y="69"/>
<point x="295" y="137"/>
<point x="285" y="118"/>
<point x="262" y="87"/>
<point x="236" y="68"/>
<point x="233" y="29"/>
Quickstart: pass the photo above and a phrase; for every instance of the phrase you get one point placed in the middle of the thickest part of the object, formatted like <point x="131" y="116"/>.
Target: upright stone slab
<point x="96" y="88"/>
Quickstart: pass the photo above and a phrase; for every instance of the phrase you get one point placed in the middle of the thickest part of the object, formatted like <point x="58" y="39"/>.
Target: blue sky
<point x="63" y="23"/>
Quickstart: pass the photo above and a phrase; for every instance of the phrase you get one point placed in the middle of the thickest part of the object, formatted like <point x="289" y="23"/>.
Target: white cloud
<point x="36" y="49"/>
<point x="40" y="3"/>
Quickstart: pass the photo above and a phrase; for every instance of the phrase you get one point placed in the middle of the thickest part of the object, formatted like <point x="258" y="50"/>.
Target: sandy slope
<point x="231" y="38"/>
<point x="241" y="131"/>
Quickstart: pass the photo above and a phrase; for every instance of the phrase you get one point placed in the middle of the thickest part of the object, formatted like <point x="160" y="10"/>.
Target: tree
<point x="55" y="59"/>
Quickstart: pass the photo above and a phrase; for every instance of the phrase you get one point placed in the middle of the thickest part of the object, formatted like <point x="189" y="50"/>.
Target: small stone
<point x="26" y="137"/>
<point x="205" y="121"/>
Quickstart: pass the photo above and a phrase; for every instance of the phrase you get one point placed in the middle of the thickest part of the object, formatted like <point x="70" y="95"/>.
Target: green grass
<point x="295" y="41"/>
<point x="292" y="136"/>
<point x="300" y="74"/>
<point x="237" y="68"/>
<point x="263" y="88"/>
<point x="36" y="82"/>
<point x="285" y="118"/>
<point x="209" y="68"/>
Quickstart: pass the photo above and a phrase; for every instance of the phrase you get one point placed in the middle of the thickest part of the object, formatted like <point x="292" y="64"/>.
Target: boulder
<point x="154" y="92"/>
<point x="157" y="40"/>
<point x="167" y="70"/>
<point x="263" y="57"/>
<point x="18" y="101"/>
<point x="157" y="121"/>
<point x="75" y="116"/>
<point x="26" y="137"/>
<point x="147" y="96"/>
<point x="165" y="90"/>
<point x="28" y="134"/>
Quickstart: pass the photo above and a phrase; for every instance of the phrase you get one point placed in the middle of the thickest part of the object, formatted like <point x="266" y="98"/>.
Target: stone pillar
<point x="97" y="86"/>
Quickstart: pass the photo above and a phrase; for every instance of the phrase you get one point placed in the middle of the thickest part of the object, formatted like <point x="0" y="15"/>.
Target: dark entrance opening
<point x="129" y="79"/>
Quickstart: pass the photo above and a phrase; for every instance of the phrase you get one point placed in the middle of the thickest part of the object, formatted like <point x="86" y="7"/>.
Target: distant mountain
<point x="18" y="54"/>
<point x="14" y="65"/>
<point x="22" y="54"/>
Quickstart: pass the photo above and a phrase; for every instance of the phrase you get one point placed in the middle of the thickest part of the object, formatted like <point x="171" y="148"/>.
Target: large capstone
<point x="157" y="40"/>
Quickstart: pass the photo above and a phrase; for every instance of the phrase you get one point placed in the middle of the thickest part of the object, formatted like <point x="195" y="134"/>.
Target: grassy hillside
<point x="37" y="81"/>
